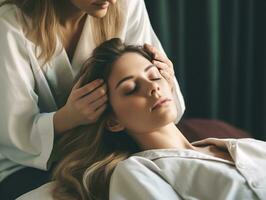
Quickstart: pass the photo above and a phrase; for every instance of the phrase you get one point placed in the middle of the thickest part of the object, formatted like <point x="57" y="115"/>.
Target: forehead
<point x="129" y="64"/>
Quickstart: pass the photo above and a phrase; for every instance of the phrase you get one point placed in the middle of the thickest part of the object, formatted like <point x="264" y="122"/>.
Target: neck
<point x="69" y="15"/>
<point x="166" y="137"/>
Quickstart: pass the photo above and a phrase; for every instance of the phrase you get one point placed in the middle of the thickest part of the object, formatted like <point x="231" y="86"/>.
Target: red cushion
<point x="198" y="129"/>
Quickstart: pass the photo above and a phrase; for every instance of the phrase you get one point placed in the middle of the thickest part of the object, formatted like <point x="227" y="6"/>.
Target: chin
<point x="165" y="118"/>
<point x="99" y="13"/>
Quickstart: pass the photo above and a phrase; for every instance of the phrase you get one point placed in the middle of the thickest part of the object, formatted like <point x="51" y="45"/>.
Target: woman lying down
<point x="137" y="153"/>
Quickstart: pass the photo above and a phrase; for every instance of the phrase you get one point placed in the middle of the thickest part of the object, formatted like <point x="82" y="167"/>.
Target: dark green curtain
<point x="218" y="48"/>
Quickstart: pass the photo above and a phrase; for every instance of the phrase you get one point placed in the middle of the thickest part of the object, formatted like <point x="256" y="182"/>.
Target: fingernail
<point x="100" y="80"/>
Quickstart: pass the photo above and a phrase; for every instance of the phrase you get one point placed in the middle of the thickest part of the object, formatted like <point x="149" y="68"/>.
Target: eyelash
<point x="137" y="87"/>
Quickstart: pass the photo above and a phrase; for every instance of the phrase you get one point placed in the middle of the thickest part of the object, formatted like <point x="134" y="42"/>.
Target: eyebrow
<point x="130" y="77"/>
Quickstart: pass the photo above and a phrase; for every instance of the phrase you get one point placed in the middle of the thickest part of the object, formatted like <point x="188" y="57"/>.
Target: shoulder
<point x="249" y="143"/>
<point x="134" y="4"/>
<point x="134" y="169"/>
<point x="133" y="161"/>
<point x="11" y="33"/>
<point x="135" y="165"/>
<point x="9" y="17"/>
<point x="13" y="39"/>
<point x="130" y="164"/>
<point x="42" y="193"/>
<point x="10" y="25"/>
<point x="6" y="9"/>
<point x="230" y="142"/>
<point x="134" y="8"/>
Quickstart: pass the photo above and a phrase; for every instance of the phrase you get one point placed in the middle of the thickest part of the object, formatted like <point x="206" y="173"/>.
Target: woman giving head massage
<point x="135" y="151"/>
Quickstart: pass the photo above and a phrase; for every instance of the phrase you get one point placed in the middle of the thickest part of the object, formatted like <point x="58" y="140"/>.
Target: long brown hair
<point x="90" y="153"/>
<point x="43" y="14"/>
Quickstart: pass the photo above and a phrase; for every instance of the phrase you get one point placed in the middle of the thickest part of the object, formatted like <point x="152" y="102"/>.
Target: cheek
<point x="129" y="109"/>
<point x="130" y="106"/>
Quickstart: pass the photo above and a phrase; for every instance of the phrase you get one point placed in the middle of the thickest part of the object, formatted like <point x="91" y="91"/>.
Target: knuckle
<point x="74" y="94"/>
<point x="170" y="64"/>
<point x="101" y="92"/>
<point x="96" y="83"/>
<point x="158" y="63"/>
<point x="165" y="65"/>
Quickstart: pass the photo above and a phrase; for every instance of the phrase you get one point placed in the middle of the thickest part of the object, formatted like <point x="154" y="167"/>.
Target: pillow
<point x="198" y="129"/>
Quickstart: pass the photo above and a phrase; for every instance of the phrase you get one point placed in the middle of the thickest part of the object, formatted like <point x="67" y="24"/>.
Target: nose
<point x="154" y="89"/>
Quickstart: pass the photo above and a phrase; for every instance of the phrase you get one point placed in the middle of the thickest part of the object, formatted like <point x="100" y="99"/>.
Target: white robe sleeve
<point x="140" y="31"/>
<point x="132" y="180"/>
<point x="26" y="135"/>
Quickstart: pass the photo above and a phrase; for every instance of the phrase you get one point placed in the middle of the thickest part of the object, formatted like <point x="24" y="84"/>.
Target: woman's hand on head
<point x="84" y="106"/>
<point x="163" y="63"/>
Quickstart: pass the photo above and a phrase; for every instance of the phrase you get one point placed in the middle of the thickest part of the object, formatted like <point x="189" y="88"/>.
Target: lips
<point x="102" y="4"/>
<point x="160" y="102"/>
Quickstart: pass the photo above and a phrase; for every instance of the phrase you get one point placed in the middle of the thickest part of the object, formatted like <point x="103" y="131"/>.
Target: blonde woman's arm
<point x="26" y="135"/>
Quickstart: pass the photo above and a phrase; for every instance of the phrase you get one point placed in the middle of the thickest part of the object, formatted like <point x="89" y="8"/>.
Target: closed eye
<point x="156" y="79"/>
<point x="136" y="87"/>
<point x="132" y="91"/>
<point x="153" y="75"/>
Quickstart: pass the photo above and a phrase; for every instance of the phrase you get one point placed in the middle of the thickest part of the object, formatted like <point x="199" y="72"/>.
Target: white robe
<point x="174" y="174"/>
<point x="29" y="93"/>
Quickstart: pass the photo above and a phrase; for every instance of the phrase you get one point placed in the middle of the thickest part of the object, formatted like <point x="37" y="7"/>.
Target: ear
<point x="113" y="125"/>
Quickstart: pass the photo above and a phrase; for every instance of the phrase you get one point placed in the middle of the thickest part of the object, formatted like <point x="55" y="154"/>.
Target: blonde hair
<point x="44" y="15"/>
<point x="91" y="153"/>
